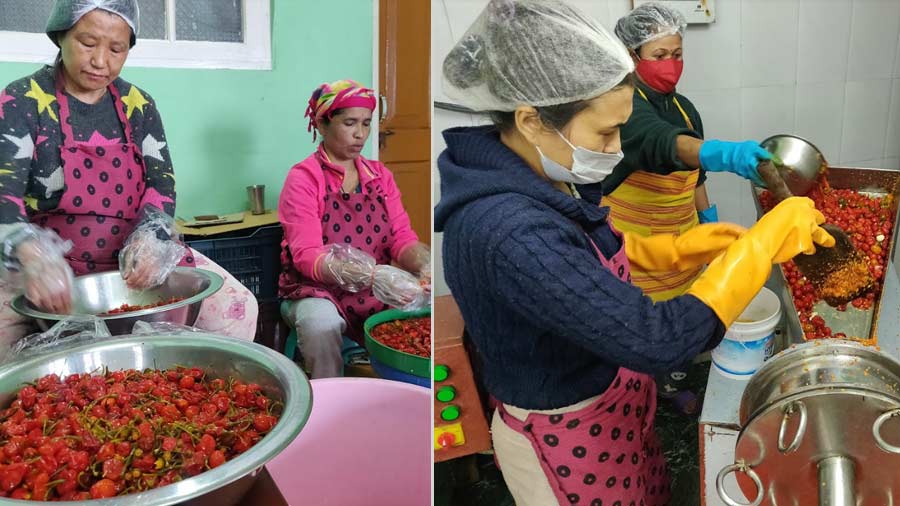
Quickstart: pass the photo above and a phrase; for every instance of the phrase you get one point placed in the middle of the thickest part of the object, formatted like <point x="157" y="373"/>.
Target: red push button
<point x="446" y="439"/>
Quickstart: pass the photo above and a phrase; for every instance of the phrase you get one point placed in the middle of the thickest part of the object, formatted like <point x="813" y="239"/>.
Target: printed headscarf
<point x="330" y="97"/>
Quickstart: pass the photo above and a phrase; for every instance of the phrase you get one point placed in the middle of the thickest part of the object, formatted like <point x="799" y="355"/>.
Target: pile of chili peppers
<point x="128" y="308"/>
<point x="412" y="335"/>
<point x="92" y="436"/>
<point x="869" y="223"/>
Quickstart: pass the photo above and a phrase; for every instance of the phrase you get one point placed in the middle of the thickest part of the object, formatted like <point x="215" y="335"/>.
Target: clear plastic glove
<point x="425" y="277"/>
<point x="740" y="158"/>
<point x="152" y="251"/>
<point x="417" y="259"/>
<point x="398" y="288"/>
<point x="35" y="262"/>
<point x="72" y="331"/>
<point x="350" y="268"/>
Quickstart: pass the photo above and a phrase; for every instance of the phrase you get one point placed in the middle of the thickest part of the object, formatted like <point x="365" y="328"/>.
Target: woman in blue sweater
<point x="568" y="345"/>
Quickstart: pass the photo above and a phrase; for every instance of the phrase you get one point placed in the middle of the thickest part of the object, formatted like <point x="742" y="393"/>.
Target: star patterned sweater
<point x="31" y="177"/>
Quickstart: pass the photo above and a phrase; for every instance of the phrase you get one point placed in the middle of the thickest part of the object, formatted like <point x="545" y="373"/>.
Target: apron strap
<point x="120" y="112"/>
<point x="64" y="111"/>
<point x="677" y="104"/>
<point x="513" y="422"/>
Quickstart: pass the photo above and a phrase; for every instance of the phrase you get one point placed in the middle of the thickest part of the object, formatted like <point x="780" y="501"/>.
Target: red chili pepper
<point x="128" y="308"/>
<point x="95" y="436"/>
<point x="869" y="223"/>
<point x="412" y="335"/>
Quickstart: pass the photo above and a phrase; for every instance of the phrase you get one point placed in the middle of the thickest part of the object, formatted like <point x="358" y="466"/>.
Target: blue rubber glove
<point x="740" y="158"/>
<point x="709" y="215"/>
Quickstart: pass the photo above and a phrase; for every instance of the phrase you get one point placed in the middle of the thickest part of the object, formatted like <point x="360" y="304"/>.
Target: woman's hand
<point x="417" y="260"/>
<point x="398" y="288"/>
<point x="741" y="158"/>
<point x="152" y="251"/>
<point x="668" y="252"/>
<point x="47" y="276"/>
<point x="146" y="262"/>
<point x="350" y="268"/>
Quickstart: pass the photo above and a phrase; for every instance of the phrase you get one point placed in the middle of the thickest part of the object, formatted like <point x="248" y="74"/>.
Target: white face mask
<point x="587" y="166"/>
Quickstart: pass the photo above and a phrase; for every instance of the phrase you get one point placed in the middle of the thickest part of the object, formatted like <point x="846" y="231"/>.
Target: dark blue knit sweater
<point x="550" y="323"/>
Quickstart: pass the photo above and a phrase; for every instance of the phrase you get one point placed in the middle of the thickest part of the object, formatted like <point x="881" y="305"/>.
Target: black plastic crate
<point x="254" y="260"/>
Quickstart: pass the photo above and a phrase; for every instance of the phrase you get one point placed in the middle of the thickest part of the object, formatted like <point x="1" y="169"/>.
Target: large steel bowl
<point x="802" y="161"/>
<point x="221" y="357"/>
<point x="95" y="294"/>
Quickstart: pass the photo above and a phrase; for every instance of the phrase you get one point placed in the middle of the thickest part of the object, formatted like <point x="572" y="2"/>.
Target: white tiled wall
<point x="827" y="70"/>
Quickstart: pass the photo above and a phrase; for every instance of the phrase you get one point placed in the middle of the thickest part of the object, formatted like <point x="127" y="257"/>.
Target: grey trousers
<point x="320" y="328"/>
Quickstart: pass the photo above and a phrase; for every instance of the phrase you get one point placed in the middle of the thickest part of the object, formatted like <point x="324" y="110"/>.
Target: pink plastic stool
<point x="367" y="442"/>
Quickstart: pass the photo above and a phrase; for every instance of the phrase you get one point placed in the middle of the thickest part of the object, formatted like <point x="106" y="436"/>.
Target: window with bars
<point x="231" y="34"/>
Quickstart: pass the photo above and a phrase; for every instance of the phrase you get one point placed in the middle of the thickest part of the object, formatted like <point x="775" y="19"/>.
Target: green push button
<point x="450" y="413"/>
<point x="441" y="372"/>
<point x="446" y="394"/>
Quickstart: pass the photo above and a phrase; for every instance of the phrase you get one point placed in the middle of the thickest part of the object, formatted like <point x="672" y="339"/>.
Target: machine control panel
<point x="460" y="427"/>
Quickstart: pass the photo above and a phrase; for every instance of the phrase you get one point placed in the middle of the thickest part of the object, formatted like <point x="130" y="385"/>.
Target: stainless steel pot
<point x="818" y="420"/>
<point x="802" y="161"/>
<point x="223" y="357"/>
<point x="95" y="294"/>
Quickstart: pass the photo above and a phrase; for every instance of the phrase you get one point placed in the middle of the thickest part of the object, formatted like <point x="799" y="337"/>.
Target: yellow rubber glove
<point x="670" y="252"/>
<point x="733" y="279"/>
<point x="791" y="228"/>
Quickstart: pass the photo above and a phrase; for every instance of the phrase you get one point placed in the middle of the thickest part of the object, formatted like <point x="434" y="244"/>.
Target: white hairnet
<point x="649" y="22"/>
<point x="533" y="52"/>
<point x="66" y="13"/>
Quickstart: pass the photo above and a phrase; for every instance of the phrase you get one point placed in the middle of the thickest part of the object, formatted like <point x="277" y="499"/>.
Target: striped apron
<point x="647" y="204"/>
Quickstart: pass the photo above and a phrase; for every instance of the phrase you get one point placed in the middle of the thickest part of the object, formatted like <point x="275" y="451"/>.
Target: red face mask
<point x="661" y="75"/>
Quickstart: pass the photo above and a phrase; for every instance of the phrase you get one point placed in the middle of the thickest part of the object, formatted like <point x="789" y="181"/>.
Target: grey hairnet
<point x="649" y="22"/>
<point x="66" y="13"/>
<point x="533" y="52"/>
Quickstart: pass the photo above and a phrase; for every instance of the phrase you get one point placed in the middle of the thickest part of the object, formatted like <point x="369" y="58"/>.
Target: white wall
<point x="827" y="70"/>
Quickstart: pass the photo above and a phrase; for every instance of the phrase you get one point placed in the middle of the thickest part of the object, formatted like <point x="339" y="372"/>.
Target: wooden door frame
<point x="376" y="70"/>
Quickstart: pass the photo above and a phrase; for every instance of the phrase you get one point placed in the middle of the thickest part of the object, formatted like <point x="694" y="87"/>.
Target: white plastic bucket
<point x="751" y="339"/>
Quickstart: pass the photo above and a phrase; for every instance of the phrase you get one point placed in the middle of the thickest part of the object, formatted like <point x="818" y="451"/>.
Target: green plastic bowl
<point x="406" y="362"/>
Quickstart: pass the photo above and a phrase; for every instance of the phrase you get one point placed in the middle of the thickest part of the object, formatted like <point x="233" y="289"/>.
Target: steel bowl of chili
<point x="106" y="295"/>
<point x="169" y="420"/>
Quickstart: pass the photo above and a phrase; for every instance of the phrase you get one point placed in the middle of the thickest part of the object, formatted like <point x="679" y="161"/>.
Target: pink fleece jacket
<point x="301" y="208"/>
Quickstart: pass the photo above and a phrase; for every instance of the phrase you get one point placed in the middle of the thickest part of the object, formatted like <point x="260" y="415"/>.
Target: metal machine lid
<point x="785" y="443"/>
<point x="821" y="365"/>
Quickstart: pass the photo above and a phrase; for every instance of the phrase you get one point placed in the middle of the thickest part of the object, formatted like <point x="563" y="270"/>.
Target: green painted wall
<point x="228" y="129"/>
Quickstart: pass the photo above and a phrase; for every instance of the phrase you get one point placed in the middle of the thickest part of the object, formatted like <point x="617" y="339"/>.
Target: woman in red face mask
<point x="659" y="185"/>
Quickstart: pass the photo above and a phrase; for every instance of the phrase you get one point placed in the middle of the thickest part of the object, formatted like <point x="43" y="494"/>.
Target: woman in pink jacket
<point x="344" y="223"/>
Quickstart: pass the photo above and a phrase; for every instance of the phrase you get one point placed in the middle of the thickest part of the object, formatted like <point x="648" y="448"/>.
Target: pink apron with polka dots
<point x="361" y="221"/>
<point x="607" y="453"/>
<point x="104" y="184"/>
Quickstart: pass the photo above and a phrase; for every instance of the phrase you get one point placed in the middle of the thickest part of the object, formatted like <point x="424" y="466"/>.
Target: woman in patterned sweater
<point x="84" y="159"/>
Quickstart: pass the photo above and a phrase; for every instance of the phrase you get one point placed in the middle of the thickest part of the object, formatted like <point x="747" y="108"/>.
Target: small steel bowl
<point x="95" y="294"/>
<point x="221" y="357"/>
<point x="802" y="161"/>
